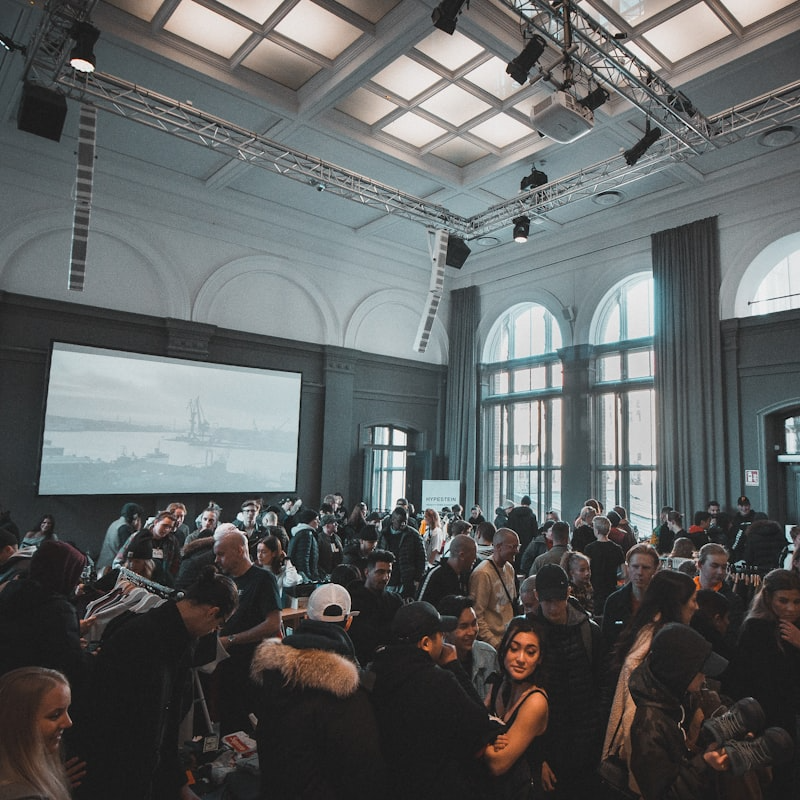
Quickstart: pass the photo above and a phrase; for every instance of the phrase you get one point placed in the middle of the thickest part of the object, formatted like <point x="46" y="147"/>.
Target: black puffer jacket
<point x="763" y="545"/>
<point x="317" y="738"/>
<point x="431" y="730"/>
<point x="660" y="762"/>
<point x="409" y="553"/>
<point x="573" y="658"/>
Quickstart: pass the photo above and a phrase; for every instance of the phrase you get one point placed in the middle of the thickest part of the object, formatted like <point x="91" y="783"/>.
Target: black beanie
<point x="678" y="653"/>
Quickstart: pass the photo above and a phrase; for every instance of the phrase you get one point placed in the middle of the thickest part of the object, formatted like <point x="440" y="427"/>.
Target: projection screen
<point x="128" y="423"/>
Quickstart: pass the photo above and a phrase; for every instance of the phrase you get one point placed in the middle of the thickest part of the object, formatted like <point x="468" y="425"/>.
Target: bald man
<point x="450" y="575"/>
<point x="493" y="584"/>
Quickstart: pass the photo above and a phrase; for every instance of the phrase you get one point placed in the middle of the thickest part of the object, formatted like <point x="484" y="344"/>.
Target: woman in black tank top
<point x="520" y="703"/>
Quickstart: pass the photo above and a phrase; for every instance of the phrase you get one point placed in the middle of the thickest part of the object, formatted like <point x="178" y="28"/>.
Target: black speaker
<point x="457" y="252"/>
<point x="42" y="111"/>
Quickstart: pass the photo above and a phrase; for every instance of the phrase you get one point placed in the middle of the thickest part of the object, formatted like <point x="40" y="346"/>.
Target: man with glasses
<point x="493" y="584"/>
<point x="246" y="521"/>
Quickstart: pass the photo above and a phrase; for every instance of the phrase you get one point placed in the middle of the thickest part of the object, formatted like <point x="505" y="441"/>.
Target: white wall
<point x="167" y="245"/>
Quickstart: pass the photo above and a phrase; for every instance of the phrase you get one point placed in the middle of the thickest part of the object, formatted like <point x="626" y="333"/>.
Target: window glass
<point x="610" y="368"/>
<point x="640" y="363"/>
<point x="780" y="288"/>
<point x="521" y="432"/>
<point x="625" y="468"/>
<point x="641" y="427"/>
<point x="639" y="310"/>
<point x="792" y="426"/>
<point x="386" y="465"/>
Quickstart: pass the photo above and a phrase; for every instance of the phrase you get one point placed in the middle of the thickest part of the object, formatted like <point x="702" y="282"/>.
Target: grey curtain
<point x="688" y="369"/>
<point x="460" y="425"/>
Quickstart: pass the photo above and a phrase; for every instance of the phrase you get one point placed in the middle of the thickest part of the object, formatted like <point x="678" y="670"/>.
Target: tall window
<point x="521" y="407"/>
<point x="624" y="399"/>
<point x="386" y="465"/>
<point x="779" y="290"/>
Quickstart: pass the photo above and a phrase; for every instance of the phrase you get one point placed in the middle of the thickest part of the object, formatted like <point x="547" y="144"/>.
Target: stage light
<point x="445" y="15"/>
<point x="536" y="178"/>
<point x="595" y="98"/>
<point x="519" y="68"/>
<point x="82" y="57"/>
<point x="522" y="226"/>
<point x="642" y="146"/>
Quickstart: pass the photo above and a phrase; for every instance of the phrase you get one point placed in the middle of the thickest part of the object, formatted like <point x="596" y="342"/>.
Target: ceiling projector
<point x="562" y="118"/>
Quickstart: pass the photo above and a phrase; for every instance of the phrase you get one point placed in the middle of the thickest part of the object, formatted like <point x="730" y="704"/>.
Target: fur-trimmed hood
<point x="304" y="669"/>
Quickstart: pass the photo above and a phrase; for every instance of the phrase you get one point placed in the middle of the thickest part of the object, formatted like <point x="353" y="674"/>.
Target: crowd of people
<point x="441" y="655"/>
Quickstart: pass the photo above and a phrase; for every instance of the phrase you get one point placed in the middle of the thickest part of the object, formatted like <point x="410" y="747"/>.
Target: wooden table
<point x="291" y="616"/>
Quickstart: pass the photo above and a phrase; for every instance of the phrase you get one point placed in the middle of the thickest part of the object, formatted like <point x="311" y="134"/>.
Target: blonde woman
<point x="434" y="537"/>
<point x="34" y="713"/>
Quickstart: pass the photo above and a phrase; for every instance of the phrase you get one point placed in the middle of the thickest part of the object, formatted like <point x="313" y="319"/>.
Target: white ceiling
<point x="372" y="86"/>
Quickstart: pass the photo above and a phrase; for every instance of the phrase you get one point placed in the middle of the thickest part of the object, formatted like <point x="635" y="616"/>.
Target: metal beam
<point x="611" y="63"/>
<point x="47" y="65"/>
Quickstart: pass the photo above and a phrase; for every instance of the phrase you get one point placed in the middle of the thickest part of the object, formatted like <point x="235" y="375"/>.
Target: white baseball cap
<point x="330" y="603"/>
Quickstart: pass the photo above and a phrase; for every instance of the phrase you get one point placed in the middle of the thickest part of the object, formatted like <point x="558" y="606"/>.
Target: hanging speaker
<point x="457" y="252"/>
<point x="41" y="111"/>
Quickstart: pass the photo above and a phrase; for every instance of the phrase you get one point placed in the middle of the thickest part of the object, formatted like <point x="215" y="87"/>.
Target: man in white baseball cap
<point x="331" y="603"/>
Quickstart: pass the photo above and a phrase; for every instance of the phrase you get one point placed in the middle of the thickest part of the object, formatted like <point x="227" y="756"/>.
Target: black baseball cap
<point x="552" y="583"/>
<point x="418" y="619"/>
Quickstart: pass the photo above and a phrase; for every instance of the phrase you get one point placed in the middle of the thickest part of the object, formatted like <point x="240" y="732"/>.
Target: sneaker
<point x="743" y="717"/>
<point x="774" y="746"/>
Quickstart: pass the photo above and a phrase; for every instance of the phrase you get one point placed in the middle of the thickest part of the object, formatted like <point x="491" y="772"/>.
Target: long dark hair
<point x="779" y="580"/>
<point x="666" y="595"/>
<point x="275" y="546"/>
<point x="526" y="624"/>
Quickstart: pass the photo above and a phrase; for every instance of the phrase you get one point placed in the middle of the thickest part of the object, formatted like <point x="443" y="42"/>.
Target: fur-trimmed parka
<point x="316" y="734"/>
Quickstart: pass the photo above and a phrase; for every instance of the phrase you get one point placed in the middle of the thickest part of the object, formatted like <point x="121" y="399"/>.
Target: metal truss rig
<point x="598" y="52"/>
<point x="47" y="65"/>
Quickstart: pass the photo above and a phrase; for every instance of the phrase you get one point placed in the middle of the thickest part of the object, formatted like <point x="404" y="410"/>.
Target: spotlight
<point x="82" y="58"/>
<point x="522" y="226"/>
<point x="595" y="98"/>
<point x="642" y="146"/>
<point x="519" y="68"/>
<point x="536" y="178"/>
<point x="445" y="15"/>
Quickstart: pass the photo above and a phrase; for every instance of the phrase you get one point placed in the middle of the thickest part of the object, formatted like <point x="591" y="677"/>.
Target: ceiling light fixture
<point x="643" y="145"/>
<point x="519" y="68"/>
<point x="608" y="198"/>
<point x="536" y="178"/>
<point x="82" y="57"/>
<point x="445" y="15"/>
<point x="595" y="98"/>
<point x="522" y="226"/>
<point x="778" y="137"/>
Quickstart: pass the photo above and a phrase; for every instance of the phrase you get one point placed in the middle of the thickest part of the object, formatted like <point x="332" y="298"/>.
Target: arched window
<point x="386" y="454"/>
<point x="624" y="401"/>
<point x="779" y="289"/>
<point x="521" y="407"/>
